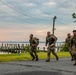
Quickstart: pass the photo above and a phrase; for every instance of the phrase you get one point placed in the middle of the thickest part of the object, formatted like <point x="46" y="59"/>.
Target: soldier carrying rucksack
<point x="73" y="45"/>
<point x="34" y="41"/>
<point x="50" y="42"/>
<point x="68" y="43"/>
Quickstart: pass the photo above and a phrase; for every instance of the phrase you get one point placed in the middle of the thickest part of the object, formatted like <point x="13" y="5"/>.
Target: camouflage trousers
<point x="33" y="52"/>
<point x="74" y="52"/>
<point x="70" y="51"/>
<point x="51" y="49"/>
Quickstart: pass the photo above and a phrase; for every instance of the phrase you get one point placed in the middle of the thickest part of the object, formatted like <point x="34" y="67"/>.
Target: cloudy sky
<point x="19" y="18"/>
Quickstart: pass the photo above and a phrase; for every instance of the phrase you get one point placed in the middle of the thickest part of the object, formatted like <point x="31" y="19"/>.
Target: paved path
<point x="62" y="67"/>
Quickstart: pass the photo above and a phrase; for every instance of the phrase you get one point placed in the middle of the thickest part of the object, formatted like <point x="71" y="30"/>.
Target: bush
<point x="65" y="48"/>
<point x="27" y="48"/>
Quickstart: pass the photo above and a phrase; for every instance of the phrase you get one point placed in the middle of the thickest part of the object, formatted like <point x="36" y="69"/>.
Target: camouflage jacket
<point x="68" y="41"/>
<point x="73" y="42"/>
<point x="51" y="39"/>
<point x="32" y="41"/>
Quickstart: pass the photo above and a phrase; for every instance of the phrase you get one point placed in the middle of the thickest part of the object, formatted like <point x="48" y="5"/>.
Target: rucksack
<point x="36" y="40"/>
<point x="54" y="37"/>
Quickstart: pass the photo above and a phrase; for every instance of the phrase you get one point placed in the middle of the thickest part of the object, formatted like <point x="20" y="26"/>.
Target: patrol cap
<point x="74" y="30"/>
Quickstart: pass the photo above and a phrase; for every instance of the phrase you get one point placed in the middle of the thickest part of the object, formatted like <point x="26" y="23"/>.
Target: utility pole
<point x="54" y="18"/>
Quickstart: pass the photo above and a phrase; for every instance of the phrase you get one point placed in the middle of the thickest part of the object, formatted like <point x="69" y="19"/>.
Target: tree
<point x="74" y="16"/>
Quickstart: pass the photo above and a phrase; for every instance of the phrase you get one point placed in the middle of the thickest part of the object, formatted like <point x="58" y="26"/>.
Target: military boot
<point x="75" y="63"/>
<point x="33" y="57"/>
<point x="57" y="58"/>
<point x="72" y="59"/>
<point x="36" y="58"/>
<point x="48" y="60"/>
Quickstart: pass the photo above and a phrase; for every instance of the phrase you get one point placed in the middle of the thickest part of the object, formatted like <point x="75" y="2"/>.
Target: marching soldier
<point x="68" y="42"/>
<point x="50" y="41"/>
<point x="33" y="46"/>
<point x="73" y="45"/>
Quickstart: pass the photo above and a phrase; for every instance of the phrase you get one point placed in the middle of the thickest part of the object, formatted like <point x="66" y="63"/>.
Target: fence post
<point x="43" y="48"/>
<point x="18" y="49"/>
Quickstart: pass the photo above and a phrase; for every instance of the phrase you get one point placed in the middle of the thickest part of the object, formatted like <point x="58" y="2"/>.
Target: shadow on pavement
<point x="36" y="73"/>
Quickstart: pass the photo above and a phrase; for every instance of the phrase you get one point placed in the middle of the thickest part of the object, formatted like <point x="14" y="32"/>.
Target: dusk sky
<point x="20" y="18"/>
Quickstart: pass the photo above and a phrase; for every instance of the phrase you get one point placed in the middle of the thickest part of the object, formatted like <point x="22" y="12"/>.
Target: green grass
<point x="26" y="56"/>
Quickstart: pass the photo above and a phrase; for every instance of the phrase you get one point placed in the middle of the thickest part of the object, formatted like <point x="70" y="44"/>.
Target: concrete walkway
<point x="62" y="67"/>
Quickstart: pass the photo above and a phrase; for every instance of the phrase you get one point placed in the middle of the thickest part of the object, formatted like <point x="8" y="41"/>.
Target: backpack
<point x="54" y="37"/>
<point x="36" y="40"/>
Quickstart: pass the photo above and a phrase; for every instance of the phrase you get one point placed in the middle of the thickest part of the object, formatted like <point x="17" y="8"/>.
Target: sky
<point x="20" y="18"/>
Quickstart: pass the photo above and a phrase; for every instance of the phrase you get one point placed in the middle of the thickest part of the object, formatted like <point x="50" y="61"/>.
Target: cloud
<point x="50" y="4"/>
<point x="36" y="18"/>
<point x="29" y="4"/>
<point x="39" y="10"/>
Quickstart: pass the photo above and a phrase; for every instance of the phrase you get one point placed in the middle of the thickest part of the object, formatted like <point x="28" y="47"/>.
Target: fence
<point x="21" y="48"/>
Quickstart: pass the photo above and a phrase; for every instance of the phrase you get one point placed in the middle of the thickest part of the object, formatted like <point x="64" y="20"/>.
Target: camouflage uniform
<point x="68" y="42"/>
<point x="33" y="49"/>
<point x="51" y="40"/>
<point x="73" y="47"/>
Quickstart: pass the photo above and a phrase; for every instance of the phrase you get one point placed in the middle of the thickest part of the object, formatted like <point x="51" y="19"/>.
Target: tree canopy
<point x="74" y="16"/>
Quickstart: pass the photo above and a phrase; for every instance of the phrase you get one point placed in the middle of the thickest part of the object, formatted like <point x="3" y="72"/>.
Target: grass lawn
<point x="26" y="56"/>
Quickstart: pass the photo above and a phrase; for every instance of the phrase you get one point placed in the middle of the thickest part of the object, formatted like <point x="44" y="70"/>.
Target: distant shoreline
<point x="22" y="42"/>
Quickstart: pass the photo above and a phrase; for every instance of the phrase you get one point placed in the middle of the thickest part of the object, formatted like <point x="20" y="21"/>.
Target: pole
<point x="54" y="23"/>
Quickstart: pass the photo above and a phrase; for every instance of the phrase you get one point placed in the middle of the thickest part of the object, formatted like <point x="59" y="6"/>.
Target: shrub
<point x="65" y="48"/>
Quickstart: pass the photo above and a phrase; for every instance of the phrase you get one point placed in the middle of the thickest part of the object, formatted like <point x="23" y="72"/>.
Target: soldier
<point x="73" y="45"/>
<point x="67" y="42"/>
<point x="33" y="47"/>
<point x="50" y="41"/>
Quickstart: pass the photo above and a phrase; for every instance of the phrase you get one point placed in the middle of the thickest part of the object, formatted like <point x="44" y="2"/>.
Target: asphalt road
<point x="62" y="67"/>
